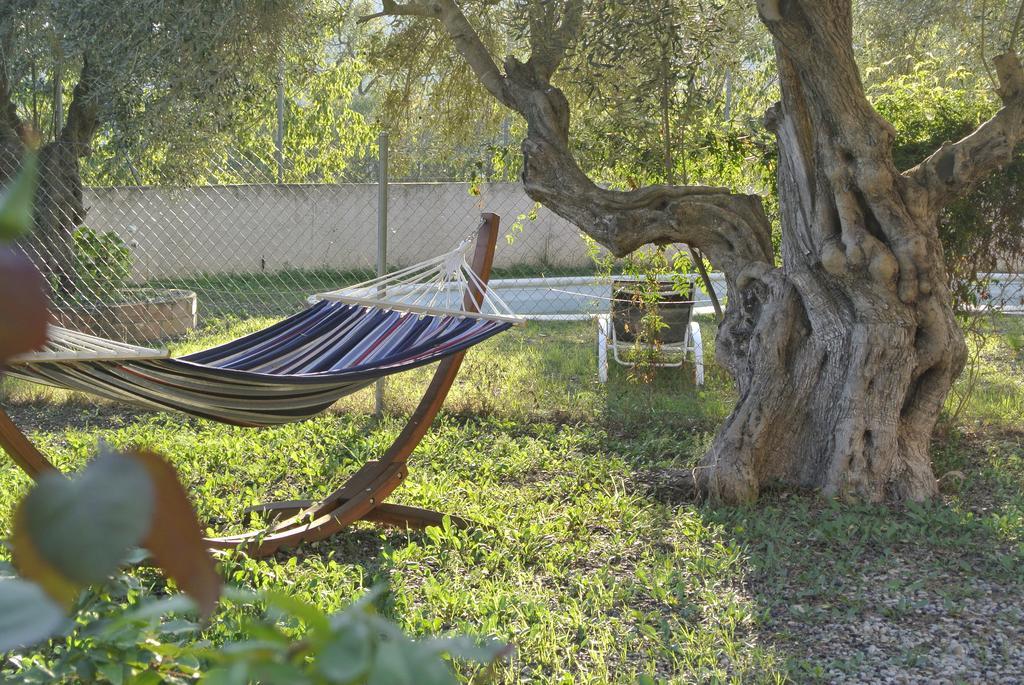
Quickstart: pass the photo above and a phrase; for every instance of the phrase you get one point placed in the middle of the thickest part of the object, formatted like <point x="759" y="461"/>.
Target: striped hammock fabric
<point x="285" y="373"/>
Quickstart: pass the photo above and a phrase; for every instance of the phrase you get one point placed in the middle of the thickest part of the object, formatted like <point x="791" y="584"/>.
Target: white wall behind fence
<point x="178" y="232"/>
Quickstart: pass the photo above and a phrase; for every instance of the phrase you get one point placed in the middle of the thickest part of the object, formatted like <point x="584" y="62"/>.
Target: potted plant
<point x="652" y="311"/>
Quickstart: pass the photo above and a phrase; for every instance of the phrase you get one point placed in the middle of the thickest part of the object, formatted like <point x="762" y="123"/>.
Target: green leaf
<point x="148" y="677"/>
<point x="16" y="201"/>
<point x="466" y="648"/>
<point x="27" y="614"/>
<point x="256" y="629"/>
<point x="239" y="595"/>
<point x="253" y="648"/>
<point x="391" y="666"/>
<point x="152" y="609"/>
<point x="85" y="526"/>
<point x="313" y="617"/>
<point x="346" y="656"/>
<point x="236" y="674"/>
<point x="271" y="673"/>
<point x="113" y="672"/>
<point x="430" y="669"/>
<point x="177" y="626"/>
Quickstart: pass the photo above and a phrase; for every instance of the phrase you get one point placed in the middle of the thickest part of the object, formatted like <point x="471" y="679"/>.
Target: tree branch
<point x="390" y="8"/>
<point x="815" y="40"/>
<point x="461" y="32"/>
<point x="732" y="229"/>
<point x="1011" y="44"/>
<point x="548" y="43"/>
<point x="83" y="113"/>
<point x="12" y="129"/>
<point x="955" y="168"/>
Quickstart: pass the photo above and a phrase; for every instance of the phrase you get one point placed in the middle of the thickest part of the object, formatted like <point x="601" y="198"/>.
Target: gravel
<point x="889" y="627"/>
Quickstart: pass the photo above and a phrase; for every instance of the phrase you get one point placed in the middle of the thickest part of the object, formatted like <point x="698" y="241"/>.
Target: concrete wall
<point x="247" y="229"/>
<point x="1005" y="292"/>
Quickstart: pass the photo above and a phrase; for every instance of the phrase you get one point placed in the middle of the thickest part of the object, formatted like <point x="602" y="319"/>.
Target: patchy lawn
<point x="591" y="574"/>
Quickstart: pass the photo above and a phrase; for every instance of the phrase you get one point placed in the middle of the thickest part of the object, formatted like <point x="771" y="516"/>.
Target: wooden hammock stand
<point x="362" y="496"/>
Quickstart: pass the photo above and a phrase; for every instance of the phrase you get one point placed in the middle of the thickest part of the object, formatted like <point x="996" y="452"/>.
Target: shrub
<point x="103" y="263"/>
<point x="981" y="233"/>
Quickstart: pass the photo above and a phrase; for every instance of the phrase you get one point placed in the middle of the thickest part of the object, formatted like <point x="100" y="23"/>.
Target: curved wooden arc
<point x="22" y="451"/>
<point x="361" y="497"/>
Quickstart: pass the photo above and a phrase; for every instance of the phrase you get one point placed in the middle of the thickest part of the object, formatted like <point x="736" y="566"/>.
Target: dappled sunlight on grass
<point x="997" y="396"/>
<point x="591" y="576"/>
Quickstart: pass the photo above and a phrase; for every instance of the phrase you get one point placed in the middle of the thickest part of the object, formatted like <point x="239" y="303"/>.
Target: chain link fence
<point x="146" y="263"/>
<point x="149" y="263"/>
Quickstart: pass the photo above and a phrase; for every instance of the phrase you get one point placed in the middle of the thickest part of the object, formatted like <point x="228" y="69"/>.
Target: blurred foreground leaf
<point x="175" y="537"/>
<point x="83" y="527"/>
<point x="23" y="308"/>
<point x="27" y="614"/>
<point x="73" y="532"/>
<point x="16" y="201"/>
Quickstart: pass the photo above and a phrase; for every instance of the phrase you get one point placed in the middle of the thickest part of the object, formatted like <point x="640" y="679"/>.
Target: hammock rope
<point x="63" y="344"/>
<point x="439" y="286"/>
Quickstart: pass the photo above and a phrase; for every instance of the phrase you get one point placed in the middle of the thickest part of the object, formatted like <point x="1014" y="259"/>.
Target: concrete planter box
<point x="155" y="316"/>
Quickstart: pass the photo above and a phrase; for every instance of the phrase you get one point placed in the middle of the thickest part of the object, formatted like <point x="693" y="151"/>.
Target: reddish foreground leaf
<point x="175" y="537"/>
<point x="22" y="305"/>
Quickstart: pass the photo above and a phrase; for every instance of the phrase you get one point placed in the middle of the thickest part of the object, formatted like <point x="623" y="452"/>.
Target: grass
<point x="591" y="576"/>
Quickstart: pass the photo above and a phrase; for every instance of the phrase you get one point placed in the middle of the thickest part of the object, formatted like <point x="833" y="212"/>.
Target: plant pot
<point x="155" y="315"/>
<point x="672" y="307"/>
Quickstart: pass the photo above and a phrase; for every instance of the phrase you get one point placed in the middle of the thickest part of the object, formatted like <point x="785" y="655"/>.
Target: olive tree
<point x="146" y="79"/>
<point x="844" y="352"/>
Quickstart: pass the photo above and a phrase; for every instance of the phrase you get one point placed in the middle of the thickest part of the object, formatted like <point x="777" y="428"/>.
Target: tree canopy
<point x="154" y="90"/>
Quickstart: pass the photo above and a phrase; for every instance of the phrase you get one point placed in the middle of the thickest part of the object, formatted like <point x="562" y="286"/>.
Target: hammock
<point x="298" y="367"/>
<point x="289" y="371"/>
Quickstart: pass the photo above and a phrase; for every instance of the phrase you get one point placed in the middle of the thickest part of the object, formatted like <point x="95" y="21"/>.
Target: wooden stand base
<point x="362" y="497"/>
<point x="398" y="515"/>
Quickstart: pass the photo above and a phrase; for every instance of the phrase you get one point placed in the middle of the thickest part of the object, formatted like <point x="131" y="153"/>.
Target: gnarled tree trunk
<point x="58" y="213"/>
<point x="843" y="355"/>
<point x="855" y="345"/>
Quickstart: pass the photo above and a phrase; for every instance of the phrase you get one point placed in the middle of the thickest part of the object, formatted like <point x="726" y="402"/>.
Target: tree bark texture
<point x="855" y="346"/>
<point x="842" y="355"/>
<point x="58" y="202"/>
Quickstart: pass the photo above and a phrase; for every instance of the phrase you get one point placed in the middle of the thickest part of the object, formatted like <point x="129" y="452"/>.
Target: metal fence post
<point x="382" y="240"/>
<point x="279" y="136"/>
